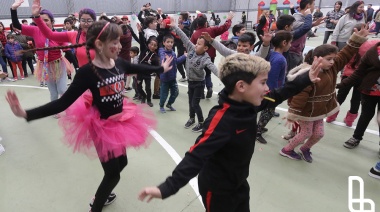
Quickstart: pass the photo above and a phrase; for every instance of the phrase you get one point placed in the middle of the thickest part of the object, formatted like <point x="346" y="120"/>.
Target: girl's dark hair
<point x="87" y="11"/>
<point x="309" y="57"/>
<point x="281" y="36"/>
<point x="236" y="28"/>
<point x="1" y="23"/>
<point x="284" y="20"/>
<point x="68" y="20"/>
<point x="201" y="20"/>
<point x="184" y="15"/>
<point x="320" y="51"/>
<point x="340" y="3"/>
<point x="135" y="49"/>
<point x="247" y="37"/>
<point x="148" y="20"/>
<point x="154" y="39"/>
<point x="304" y="3"/>
<point x="354" y="8"/>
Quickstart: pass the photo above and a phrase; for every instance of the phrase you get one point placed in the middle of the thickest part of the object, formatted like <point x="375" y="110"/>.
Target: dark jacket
<point x="126" y="42"/>
<point x="223" y="152"/>
<point x="368" y="72"/>
<point x="146" y="56"/>
<point x="11" y="49"/>
<point x="172" y="74"/>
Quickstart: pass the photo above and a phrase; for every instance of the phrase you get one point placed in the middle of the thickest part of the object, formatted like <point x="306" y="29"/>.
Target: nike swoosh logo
<point x="240" y="131"/>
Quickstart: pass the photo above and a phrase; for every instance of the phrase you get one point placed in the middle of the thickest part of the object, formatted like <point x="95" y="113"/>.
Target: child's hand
<point x="319" y="21"/>
<point x="363" y="31"/>
<point x="138" y="26"/>
<point x="150" y="192"/>
<point x="230" y="15"/>
<point x="15" y="104"/>
<point x="17" y="4"/>
<point x="315" y="69"/>
<point x="267" y="37"/>
<point x="36" y="7"/>
<point x="207" y="36"/>
<point x="185" y="54"/>
<point x="166" y="63"/>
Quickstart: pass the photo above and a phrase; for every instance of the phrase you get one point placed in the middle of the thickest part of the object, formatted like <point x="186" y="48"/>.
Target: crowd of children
<point x="106" y="63"/>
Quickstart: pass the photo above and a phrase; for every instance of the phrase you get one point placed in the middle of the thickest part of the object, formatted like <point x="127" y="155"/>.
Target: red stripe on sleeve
<point x="214" y="122"/>
<point x="208" y="201"/>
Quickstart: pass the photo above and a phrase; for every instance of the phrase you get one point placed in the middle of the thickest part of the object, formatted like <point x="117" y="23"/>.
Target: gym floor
<point x="39" y="173"/>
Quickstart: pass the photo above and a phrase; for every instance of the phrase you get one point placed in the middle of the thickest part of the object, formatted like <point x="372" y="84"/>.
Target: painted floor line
<point x="175" y="156"/>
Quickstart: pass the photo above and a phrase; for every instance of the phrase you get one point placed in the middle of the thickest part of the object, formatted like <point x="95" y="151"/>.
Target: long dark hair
<point x="354" y="8"/>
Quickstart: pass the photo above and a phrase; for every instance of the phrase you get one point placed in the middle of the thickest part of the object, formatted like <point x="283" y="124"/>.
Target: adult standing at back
<point x="332" y="19"/>
<point x="346" y="24"/>
<point x="213" y="31"/>
<point x="369" y="13"/>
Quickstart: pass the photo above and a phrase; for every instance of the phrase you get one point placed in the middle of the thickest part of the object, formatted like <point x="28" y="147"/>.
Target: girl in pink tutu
<point x="101" y="119"/>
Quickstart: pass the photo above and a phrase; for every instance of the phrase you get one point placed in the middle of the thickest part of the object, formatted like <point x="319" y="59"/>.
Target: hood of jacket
<point x="304" y="67"/>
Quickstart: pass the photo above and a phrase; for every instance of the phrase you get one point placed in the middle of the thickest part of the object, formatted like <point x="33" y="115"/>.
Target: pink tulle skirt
<point x="85" y="132"/>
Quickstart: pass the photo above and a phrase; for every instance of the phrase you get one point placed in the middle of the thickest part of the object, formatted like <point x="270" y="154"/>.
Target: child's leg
<point x="156" y="85"/>
<point x="62" y="84"/>
<point x="112" y="169"/>
<point x="19" y="65"/>
<point x="140" y="88"/>
<point x="198" y="92"/>
<point x="216" y="202"/>
<point x="265" y="116"/>
<point x="3" y="65"/>
<point x="190" y="93"/>
<point x="355" y="100"/>
<point x="318" y="133"/>
<point x="52" y="86"/>
<point x="164" y="92"/>
<point x="30" y="64"/>
<point x="148" y="89"/>
<point x="173" y="86"/>
<point x="14" y="69"/>
<point x="128" y="83"/>
<point x="305" y="133"/>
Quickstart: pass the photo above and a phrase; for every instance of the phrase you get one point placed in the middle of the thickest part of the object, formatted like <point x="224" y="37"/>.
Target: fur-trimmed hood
<point x="304" y="67"/>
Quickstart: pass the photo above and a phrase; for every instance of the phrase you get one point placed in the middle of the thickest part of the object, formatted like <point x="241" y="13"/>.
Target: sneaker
<point x="111" y="198"/>
<point x="264" y="130"/>
<point x="275" y="114"/>
<point x="10" y="79"/>
<point x="2" y="150"/>
<point x="290" y="154"/>
<point x="150" y="104"/>
<point x="41" y="84"/>
<point x="162" y="110"/>
<point x="190" y="123"/>
<point x="306" y="155"/>
<point x="209" y="93"/>
<point x="351" y="143"/>
<point x="142" y="100"/>
<point x="374" y="173"/>
<point x="15" y="79"/>
<point x="3" y="74"/>
<point x="171" y="108"/>
<point x="261" y="139"/>
<point x="182" y="80"/>
<point x="197" y="128"/>
<point x="155" y="96"/>
<point x="45" y="84"/>
<point x="22" y="78"/>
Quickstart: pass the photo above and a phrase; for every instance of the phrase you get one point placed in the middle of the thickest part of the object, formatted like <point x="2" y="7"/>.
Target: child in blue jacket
<point x="16" y="60"/>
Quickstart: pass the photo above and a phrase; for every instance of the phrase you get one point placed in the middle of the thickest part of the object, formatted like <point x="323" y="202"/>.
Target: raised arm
<point x="305" y="28"/>
<point x="133" y="34"/>
<point x="185" y="40"/>
<point x="218" y="30"/>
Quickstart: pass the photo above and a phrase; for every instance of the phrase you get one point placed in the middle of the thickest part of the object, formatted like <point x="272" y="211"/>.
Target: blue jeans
<point x="164" y="92"/>
<point x="3" y="65"/>
<point x="57" y="87"/>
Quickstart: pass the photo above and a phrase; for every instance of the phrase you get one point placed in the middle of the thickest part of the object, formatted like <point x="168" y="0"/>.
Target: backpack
<point x="229" y="44"/>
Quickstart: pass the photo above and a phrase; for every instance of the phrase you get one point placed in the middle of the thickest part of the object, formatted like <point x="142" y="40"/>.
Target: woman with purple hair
<point x="51" y="67"/>
<point x="86" y="18"/>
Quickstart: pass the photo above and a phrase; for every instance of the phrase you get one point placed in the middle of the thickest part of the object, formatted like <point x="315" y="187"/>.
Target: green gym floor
<point x="38" y="173"/>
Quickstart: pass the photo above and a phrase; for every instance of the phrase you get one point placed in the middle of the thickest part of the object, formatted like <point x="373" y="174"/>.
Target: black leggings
<point x="355" y="98"/>
<point x="112" y="169"/>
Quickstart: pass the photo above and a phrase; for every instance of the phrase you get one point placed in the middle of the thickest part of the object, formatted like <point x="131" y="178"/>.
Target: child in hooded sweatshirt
<point x="317" y="101"/>
<point x="168" y="80"/>
<point x="16" y="60"/>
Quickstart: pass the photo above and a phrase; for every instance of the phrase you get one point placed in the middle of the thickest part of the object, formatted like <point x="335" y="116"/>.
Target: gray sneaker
<point x="351" y="143"/>
<point x="190" y="123"/>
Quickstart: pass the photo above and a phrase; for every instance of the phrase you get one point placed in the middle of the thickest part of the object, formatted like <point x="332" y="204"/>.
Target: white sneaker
<point x="183" y="80"/>
<point x="2" y="150"/>
<point x="10" y="79"/>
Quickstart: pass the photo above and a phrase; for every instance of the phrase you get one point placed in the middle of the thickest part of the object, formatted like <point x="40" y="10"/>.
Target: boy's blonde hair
<point x="241" y="66"/>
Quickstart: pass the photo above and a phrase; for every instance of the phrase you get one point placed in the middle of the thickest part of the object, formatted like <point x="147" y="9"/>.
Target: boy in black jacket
<point x="222" y="153"/>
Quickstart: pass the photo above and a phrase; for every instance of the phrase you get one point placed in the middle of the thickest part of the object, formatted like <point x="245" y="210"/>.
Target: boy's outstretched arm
<point x="216" y="134"/>
<point x="223" y="50"/>
<point x="185" y="40"/>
